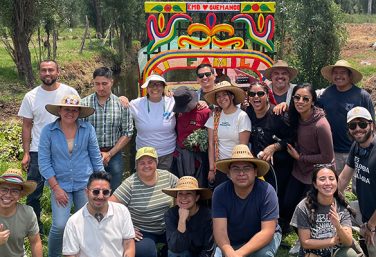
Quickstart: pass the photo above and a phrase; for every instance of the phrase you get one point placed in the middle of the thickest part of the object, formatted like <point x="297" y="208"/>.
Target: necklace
<point x="98" y="216"/>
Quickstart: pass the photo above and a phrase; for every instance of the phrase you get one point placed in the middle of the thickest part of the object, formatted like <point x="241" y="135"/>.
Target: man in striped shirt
<point x="112" y="122"/>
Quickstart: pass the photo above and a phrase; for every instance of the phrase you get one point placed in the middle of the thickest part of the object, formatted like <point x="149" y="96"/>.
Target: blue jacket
<point x="72" y="170"/>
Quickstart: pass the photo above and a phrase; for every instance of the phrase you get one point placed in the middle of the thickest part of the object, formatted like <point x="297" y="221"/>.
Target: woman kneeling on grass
<point x="323" y="218"/>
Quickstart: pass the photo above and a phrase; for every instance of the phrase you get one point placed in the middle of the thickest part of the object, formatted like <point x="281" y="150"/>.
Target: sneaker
<point x="295" y="249"/>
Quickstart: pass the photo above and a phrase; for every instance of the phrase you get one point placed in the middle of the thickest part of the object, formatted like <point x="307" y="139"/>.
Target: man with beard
<point x="34" y="118"/>
<point x="280" y="75"/>
<point x="100" y="228"/>
<point x="206" y="79"/>
<point x="362" y="162"/>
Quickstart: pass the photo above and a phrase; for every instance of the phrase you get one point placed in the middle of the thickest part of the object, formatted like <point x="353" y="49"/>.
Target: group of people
<point x="275" y="156"/>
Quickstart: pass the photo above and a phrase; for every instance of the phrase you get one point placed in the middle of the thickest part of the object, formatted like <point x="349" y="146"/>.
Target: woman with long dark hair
<point x="313" y="143"/>
<point x="323" y="218"/>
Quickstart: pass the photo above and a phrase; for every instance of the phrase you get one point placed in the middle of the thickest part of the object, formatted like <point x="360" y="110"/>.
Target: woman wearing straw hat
<point x="227" y="127"/>
<point x="17" y="221"/>
<point x="188" y="224"/>
<point x="155" y="121"/>
<point x="68" y="154"/>
<point x="142" y="194"/>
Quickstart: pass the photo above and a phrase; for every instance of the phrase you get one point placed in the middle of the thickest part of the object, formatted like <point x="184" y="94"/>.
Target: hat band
<point x="14" y="179"/>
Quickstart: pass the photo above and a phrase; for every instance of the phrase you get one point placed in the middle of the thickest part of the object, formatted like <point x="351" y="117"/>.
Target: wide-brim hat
<point x="241" y="153"/>
<point x="70" y="101"/>
<point x="355" y="75"/>
<point x="188" y="183"/>
<point x="185" y="99"/>
<point x="154" y="77"/>
<point x="225" y="86"/>
<point x="14" y="177"/>
<point x="281" y="65"/>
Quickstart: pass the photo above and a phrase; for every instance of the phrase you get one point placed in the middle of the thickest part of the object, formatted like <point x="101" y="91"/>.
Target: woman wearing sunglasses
<point x="269" y="138"/>
<point x="323" y="218"/>
<point x="313" y="143"/>
<point x="229" y="126"/>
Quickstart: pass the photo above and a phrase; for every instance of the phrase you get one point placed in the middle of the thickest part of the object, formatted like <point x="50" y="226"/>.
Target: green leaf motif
<point x="247" y="8"/>
<point x="176" y="8"/>
<point x="264" y="8"/>
<point x="157" y="8"/>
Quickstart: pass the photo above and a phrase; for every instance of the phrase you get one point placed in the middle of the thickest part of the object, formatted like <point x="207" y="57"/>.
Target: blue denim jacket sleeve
<point x="44" y="153"/>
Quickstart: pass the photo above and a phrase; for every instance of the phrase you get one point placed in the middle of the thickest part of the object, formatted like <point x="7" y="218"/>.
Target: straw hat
<point x="185" y="99"/>
<point x="225" y="86"/>
<point x="355" y="75"/>
<point x="241" y="153"/>
<point x="188" y="183"/>
<point x="153" y="77"/>
<point x="70" y="101"/>
<point x="281" y="64"/>
<point x="146" y="151"/>
<point x="14" y="177"/>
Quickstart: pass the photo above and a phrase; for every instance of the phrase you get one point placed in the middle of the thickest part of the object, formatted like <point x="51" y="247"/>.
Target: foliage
<point x="197" y="141"/>
<point x="10" y="141"/>
<point x="359" y="18"/>
<point x="316" y="32"/>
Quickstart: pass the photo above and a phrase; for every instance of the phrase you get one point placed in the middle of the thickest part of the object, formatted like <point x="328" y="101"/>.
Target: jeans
<point x="60" y="216"/>
<point x="182" y="254"/>
<point x="116" y="168"/>
<point x="269" y="250"/>
<point x="34" y="198"/>
<point x="147" y="247"/>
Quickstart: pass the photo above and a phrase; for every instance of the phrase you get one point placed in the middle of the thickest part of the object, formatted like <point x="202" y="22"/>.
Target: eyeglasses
<point x="259" y="93"/>
<point x="201" y="75"/>
<point x="105" y="192"/>
<point x="156" y="84"/>
<point x="354" y="124"/>
<point x="12" y="191"/>
<point x="245" y="169"/>
<point x="297" y="98"/>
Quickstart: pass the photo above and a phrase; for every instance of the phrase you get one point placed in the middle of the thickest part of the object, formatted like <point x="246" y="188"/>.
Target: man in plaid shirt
<point x="112" y="122"/>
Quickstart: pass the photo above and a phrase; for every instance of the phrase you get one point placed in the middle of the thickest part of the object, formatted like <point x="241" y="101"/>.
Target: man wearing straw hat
<point x="34" y="118"/>
<point x="280" y="74"/>
<point x="245" y="208"/>
<point x="337" y="100"/>
<point x="17" y="221"/>
<point x="189" y="224"/>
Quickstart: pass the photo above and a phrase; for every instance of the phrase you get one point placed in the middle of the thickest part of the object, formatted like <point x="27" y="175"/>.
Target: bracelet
<point x="52" y="188"/>
<point x="369" y="229"/>
<point x="212" y="171"/>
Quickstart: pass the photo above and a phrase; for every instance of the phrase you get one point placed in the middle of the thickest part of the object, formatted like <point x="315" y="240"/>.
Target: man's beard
<point x="49" y="83"/>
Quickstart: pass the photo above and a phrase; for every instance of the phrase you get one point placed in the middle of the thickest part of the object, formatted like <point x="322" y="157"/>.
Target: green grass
<point x="359" y="18"/>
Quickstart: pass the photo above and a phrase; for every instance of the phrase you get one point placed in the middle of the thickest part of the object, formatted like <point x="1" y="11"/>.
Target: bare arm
<point x="308" y="243"/>
<point x="221" y="237"/>
<point x="36" y="245"/>
<point x="211" y="155"/>
<point x="244" y="137"/>
<point x="344" y="178"/>
<point x="260" y="239"/>
<point x="27" y="125"/>
<point x="129" y="248"/>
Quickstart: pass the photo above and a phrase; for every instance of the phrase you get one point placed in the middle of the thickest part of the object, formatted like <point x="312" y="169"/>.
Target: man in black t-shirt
<point x="362" y="161"/>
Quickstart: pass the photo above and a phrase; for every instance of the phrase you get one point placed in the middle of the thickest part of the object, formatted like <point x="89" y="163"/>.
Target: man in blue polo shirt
<point x="245" y="208"/>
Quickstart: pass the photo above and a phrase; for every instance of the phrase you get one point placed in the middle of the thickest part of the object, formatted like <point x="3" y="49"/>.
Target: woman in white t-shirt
<point x="155" y="120"/>
<point x="229" y="126"/>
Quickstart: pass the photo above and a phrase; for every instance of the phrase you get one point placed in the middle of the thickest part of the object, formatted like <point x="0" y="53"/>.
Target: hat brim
<point x="27" y="187"/>
<point x="262" y="166"/>
<point x="327" y="71"/>
<point x="237" y="91"/>
<point x="205" y="193"/>
<point x="186" y="107"/>
<point x="146" y="84"/>
<point x="84" y="112"/>
<point x="293" y="72"/>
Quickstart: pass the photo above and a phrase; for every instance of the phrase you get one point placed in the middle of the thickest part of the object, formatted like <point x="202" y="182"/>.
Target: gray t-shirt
<point x="322" y="228"/>
<point x="22" y="224"/>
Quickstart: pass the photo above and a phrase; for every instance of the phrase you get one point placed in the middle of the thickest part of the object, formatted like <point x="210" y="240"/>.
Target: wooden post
<point x="85" y="34"/>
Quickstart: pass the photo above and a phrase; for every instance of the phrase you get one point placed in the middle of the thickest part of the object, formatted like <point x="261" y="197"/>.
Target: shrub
<point x="10" y="141"/>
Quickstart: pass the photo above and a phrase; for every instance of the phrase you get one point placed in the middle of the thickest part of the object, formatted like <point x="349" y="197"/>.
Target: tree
<point x="19" y="19"/>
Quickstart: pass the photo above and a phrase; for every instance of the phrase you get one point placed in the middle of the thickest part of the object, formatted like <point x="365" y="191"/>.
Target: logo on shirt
<point x="225" y="124"/>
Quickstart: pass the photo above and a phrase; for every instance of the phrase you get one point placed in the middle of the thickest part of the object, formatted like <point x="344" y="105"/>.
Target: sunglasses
<point x="259" y="93"/>
<point x="201" y="75"/>
<point x="105" y="192"/>
<point x="354" y="124"/>
<point x="297" y="98"/>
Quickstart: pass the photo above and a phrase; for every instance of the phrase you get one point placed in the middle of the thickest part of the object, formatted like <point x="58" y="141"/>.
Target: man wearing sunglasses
<point x="206" y="79"/>
<point x="100" y="228"/>
<point x="361" y="163"/>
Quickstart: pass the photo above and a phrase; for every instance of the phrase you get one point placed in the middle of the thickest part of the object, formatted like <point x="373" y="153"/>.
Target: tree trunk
<point x="54" y="43"/>
<point x="369" y="9"/>
<point x="98" y="18"/>
<point x="122" y="42"/>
